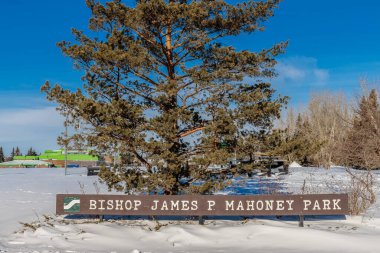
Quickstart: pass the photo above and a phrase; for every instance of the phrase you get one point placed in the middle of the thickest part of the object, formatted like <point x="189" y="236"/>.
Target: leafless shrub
<point x="360" y="186"/>
<point x="273" y="188"/>
<point x="96" y="186"/>
<point x="81" y="187"/>
<point x="310" y="185"/>
<point x="158" y="225"/>
<point x="29" y="226"/>
<point x="361" y="191"/>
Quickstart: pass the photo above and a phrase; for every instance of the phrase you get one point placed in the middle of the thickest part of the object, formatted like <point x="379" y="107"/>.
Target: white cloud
<point x="321" y="75"/>
<point x="37" y="128"/>
<point x="290" y="72"/>
<point x="301" y="71"/>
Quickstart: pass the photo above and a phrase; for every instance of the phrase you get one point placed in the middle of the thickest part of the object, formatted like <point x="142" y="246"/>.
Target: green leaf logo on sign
<point x="71" y="204"/>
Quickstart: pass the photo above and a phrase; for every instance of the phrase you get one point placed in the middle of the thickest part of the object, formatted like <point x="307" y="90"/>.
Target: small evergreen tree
<point x="17" y="152"/>
<point x="2" y="158"/>
<point x="301" y="146"/>
<point x="13" y="153"/>
<point x="31" y="152"/>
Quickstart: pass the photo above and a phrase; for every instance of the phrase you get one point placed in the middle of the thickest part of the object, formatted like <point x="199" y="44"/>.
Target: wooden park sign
<point x="203" y="205"/>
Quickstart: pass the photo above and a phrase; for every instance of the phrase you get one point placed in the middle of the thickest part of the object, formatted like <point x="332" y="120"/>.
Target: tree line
<point x="333" y="130"/>
<point x="16" y="152"/>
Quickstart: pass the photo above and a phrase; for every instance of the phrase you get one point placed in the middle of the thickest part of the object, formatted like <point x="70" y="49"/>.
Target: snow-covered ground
<point x="28" y="196"/>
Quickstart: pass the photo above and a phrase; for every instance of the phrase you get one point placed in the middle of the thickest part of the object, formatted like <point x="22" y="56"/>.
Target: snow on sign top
<point x="199" y="205"/>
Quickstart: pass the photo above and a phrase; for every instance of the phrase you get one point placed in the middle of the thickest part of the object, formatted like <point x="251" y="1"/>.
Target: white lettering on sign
<point x="164" y="206"/>
<point x="336" y="204"/>
<point x="306" y="204"/>
<point x="155" y="205"/>
<point x="316" y="205"/>
<point x="128" y="205"/>
<point x="194" y="205"/>
<point x="280" y="205"/>
<point x="119" y="204"/>
<point x="290" y="203"/>
<point x="259" y="205"/>
<point x="269" y="204"/>
<point x="324" y="204"/>
<point x="252" y="205"/>
<point x="92" y="204"/>
<point x="229" y="205"/>
<point x="102" y="204"/>
<point x="211" y="204"/>
<point x="110" y="204"/>
<point x="183" y="205"/>
<point x="240" y="206"/>
<point x="137" y="203"/>
<point x="175" y="205"/>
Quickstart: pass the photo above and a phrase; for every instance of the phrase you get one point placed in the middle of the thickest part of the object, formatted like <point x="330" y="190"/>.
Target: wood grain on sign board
<point x="199" y="205"/>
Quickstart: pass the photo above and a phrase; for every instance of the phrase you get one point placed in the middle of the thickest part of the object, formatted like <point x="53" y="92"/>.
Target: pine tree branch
<point x="142" y="160"/>
<point x="134" y="92"/>
<point x="190" y="95"/>
<point x="145" y="78"/>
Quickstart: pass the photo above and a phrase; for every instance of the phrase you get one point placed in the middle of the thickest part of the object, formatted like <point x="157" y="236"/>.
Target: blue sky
<point x="332" y="45"/>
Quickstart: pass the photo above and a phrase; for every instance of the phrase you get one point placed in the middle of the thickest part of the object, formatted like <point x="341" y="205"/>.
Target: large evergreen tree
<point x="162" y="86"/>
<point x="362" y="146"/>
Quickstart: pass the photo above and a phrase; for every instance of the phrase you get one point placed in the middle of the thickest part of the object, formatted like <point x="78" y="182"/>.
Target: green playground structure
<point x="60" y="156"/>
